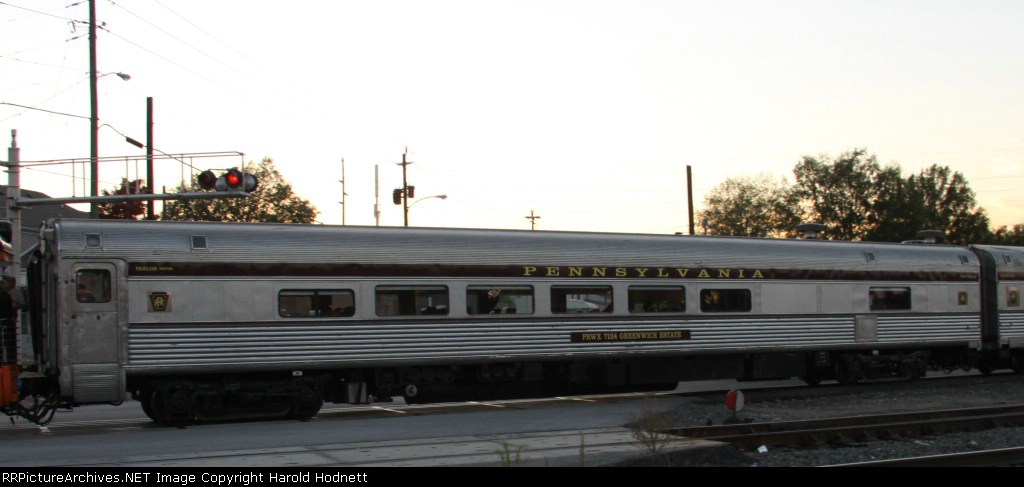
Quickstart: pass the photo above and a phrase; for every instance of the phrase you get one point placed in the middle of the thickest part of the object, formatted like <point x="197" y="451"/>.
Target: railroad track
<point x="385" y="409"/>
<point x="555" y="448"/>
<point x="828" y="390"/>
<point x="856" y="429"/>
<point x="376" y="410"/>
<point x="1001" y="457"/>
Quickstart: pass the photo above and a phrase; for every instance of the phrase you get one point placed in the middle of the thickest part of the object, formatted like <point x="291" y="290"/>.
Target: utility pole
<point x="150" y="215"/>
<point x="344" y="194"/>
<point x="533" y="220"/>
<point x="13" y="193"/>
<point x="689" y="195"/>
<point x="94" y="153"/>
<point x="376" y="193"/>
<point x="405" y="187"/>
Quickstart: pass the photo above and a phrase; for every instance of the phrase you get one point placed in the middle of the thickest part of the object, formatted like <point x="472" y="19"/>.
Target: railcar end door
<point x="93" y="297"/>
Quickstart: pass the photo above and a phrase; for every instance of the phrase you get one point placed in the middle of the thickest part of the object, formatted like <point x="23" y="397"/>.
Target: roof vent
<point x="931" y="236"/>
<point x="198" y="242"/>
<point x="810" y="230"/>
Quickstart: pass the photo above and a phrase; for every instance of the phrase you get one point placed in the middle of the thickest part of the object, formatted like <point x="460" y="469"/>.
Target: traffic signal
<point x="207" y="180"/>
<point x="232" y="180"/>
<point x="396" y="196"/>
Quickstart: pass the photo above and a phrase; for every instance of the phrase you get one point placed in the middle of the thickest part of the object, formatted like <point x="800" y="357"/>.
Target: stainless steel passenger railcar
<point x="221" y="320"/>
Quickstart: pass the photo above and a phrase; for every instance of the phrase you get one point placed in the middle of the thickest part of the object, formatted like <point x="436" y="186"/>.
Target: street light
<point x="438" y="196"/>
<point x="124" y="76"/>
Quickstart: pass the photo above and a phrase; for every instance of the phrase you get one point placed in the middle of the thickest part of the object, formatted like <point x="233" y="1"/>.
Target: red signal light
<point x="233" y="178"/>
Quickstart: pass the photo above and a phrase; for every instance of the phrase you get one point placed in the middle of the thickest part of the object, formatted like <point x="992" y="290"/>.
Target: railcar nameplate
<point x="629" y="336"/>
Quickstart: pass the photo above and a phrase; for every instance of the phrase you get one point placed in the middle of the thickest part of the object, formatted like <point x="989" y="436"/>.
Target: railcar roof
<point x="1006" y="257"/>
<point x="265" y="242"/>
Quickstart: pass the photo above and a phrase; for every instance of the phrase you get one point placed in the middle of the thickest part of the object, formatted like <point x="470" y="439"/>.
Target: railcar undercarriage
<point x="180" y="401"/>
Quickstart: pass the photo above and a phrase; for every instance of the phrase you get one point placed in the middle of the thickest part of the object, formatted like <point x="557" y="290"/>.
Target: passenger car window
<point x="725" y="300"/>
<point x="889" y="298"/>
<point x="92" y="286"/>
<point x="657" y="299"/>
<point x="412" y="300"/>
<point x="581" y="299"/>
<point x="316" y="302"/>
<point x="498" y="300"/>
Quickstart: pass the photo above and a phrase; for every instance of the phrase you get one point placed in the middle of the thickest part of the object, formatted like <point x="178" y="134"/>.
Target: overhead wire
<point x="43" y="101"/>
<point x="200" y="29"/>
<point x="41" y="13"/>
<point x="170" y="61"/>
<point x="194" y="48"/>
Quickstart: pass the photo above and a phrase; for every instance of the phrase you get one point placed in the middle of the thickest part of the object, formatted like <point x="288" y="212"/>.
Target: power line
<point x="42" y="110"/>
<point x="41" y="101"/>
<point x="194" y="48"/>
<point x="283" y="95"/>
<point x="170" y="61"/>
<point x="200" y="29"/>
<point x="42" y="13"/>
<point x="27" y="49"/>
<point x="32" y="62"/>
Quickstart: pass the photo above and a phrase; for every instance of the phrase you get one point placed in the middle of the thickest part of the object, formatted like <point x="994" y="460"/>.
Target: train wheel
<point x="848" y="370"/>
<point x="157" y="409"/>
<point x="411" y="394"/>
<point x="812" y="378"/>
<point x="908" y="372"/>
<point x="306" y="403"/>
<point x="171" y="404"/>
<point x="146" y="400"/>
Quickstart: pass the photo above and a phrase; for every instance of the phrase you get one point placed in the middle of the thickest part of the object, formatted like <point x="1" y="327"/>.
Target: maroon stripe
<point x="250" y="269"/>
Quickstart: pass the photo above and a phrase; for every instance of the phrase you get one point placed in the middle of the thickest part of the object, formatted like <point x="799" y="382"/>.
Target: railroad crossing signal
<point x="232" y="180"/>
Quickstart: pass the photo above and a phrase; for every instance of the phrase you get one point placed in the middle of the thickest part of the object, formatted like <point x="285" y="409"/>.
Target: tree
<point x="888" y="219"/>
<point x="752" y="206"/>
<point x="945" y="202"/>
<point x="272" y="201"/>
<point x="125" y="210"/>
<point x="840" y="194"/>
<point x="857" y="199"/>
<point x="1005" y="236"/>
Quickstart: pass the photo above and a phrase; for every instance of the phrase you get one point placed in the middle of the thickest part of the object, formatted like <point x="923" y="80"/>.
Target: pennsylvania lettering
<point x="641" y="272"/>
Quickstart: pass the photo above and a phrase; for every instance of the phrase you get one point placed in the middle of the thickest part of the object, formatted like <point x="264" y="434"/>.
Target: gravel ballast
<point x="891" y="398"/>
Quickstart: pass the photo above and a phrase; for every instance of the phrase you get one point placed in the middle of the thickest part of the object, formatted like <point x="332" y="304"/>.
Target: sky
<point x="586" y="113"/>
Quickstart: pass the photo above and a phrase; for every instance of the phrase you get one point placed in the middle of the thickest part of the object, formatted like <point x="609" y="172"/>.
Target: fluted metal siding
<point x="201" y="346"/>
<point x="95" y="383"/>
<point x="1011" y="326"/>
<point x="917" y="329"/>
